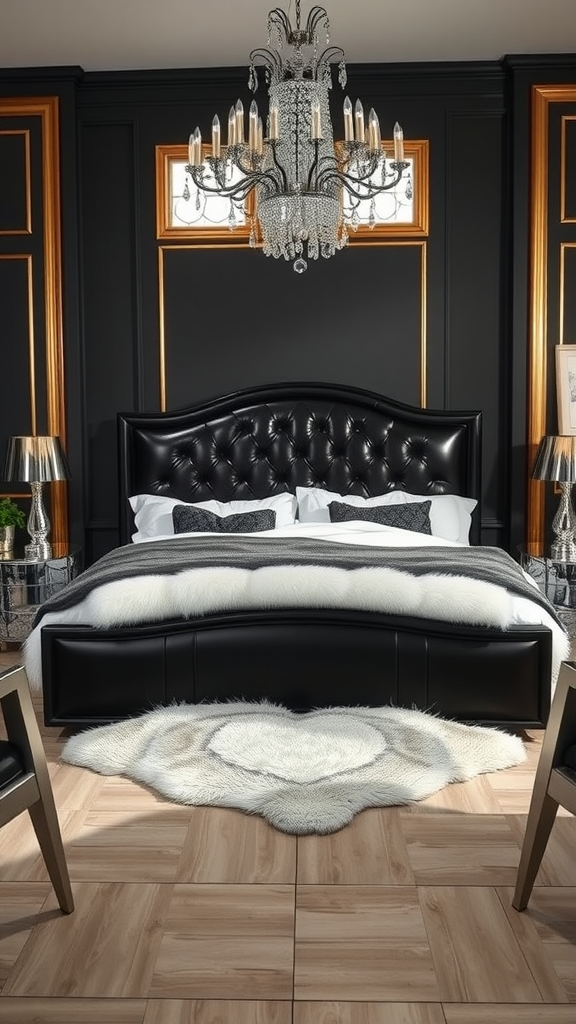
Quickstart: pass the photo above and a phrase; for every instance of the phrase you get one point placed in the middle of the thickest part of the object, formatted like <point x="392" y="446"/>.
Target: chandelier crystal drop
<point x="299" y="177"/>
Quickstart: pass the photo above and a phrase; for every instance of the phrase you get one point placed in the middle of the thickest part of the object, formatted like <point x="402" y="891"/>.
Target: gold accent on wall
<point x="421" y="244"/>
<point x="162" y="328"/>
<point x="563" y="169"/>
<point x="47" y="109"/>
<point x="424" y="328"/>
<point x="564" y="246"/>
<point x="27" y="229"/>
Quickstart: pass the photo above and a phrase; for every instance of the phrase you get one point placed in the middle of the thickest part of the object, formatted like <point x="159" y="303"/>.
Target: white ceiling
<point x="118" y="35"/>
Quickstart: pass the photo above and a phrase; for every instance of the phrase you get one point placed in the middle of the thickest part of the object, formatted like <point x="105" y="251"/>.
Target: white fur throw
<point x="196" y="592"/>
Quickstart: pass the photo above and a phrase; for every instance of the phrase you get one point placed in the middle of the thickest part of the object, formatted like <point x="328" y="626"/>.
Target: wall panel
<point x="109" y="272"/>
<point x="475" y="342"/>
<point x="30" y="230"/>
<point x="358" y="318"/>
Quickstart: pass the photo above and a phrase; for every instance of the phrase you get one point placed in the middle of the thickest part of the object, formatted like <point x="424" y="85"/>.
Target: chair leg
<point x="538" y="828"/>
<point x="47" y="829"/>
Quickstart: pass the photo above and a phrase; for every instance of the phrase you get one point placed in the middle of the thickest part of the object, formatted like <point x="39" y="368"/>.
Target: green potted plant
<point x="10" y="517"/>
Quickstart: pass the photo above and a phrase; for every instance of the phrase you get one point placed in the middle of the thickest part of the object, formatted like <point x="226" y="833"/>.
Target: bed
<point x="264" y="445"/>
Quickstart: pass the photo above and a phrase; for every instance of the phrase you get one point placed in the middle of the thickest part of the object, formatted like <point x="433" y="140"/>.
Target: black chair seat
<point x="570" y="756"/>
<point x="11" y="765"/>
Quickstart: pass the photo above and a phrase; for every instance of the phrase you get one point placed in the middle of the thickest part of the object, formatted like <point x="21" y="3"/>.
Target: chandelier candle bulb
<point x="348" y="121"/>
<point x="231" y="127"/>
<point x="253" y="126"/>
<point x="398" y="143"/>
<point x="191" y="149"/>
<point x="315" y="129"/>
<point x="359" y="121"/>
<point x="260" y="138"/>
<point x="273" y="122"/>
<point x="196" y="148"/>
<point x="239" y="112"/>
<point x="216" y="137"/>
<point x="373" y="131"/>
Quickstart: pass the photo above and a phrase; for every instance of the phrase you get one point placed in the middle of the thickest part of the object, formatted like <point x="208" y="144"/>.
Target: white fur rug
<point x="304" y="773"/>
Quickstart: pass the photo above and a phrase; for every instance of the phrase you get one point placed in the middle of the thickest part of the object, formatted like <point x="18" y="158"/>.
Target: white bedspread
<point x="149" y="598"/>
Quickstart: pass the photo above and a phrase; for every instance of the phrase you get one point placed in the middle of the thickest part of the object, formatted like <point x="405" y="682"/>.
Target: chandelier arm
<point x="238" y="191"/>
<point x="315" y="17"/>
<point x="267" y="56"/>
<point x="330" y="54"/>
<point x="371" y="191"/>
<point x="313" y="166"/>
<point x="279" y="166"/>
<point x="278" y="17"/>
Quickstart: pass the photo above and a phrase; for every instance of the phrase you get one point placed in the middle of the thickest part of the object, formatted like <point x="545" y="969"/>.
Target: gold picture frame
<point x="179" y="217"/>
<point x="566" y="388"/>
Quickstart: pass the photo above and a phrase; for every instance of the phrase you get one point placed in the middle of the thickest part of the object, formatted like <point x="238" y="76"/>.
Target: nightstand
<point x="25" y="585"/>
<point x="557" y="580"/>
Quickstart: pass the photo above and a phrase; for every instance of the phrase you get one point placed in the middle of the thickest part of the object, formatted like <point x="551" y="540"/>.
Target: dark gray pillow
<point x="199" y="520"/>
<point x="414" y="515"/>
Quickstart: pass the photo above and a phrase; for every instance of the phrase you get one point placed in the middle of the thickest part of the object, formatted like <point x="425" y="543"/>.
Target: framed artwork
<point x="566" y="388"/>
<point x="182" y="212"/>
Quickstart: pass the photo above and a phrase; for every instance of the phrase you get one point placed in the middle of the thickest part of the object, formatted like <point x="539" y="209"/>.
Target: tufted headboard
<point x="275" y="437"/>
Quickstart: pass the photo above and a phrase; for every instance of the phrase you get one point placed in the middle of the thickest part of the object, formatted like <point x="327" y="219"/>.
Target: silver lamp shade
<point x="36" y="460"/>
<point x="556" y="460"/>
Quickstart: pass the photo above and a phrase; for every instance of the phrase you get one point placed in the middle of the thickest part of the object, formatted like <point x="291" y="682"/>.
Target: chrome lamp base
<point x="563" y="548"/>
<point x="38" y="550"/>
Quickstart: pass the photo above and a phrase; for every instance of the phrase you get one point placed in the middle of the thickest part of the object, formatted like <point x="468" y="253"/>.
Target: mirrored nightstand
<point x="25" y="585"/>
<point x="557" y="580"/>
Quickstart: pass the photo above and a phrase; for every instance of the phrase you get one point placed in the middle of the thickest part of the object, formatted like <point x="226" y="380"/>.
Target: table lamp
<point x="36" y="460"/>
<point x="556" y="460"/>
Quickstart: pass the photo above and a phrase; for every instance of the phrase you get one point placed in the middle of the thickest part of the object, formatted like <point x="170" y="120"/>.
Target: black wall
<point x="234" y="318"/>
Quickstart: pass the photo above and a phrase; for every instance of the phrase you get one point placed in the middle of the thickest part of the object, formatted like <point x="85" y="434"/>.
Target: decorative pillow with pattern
<point x="153" y="512"/>
<point x="413" y="516"/>
<point x="188" y="519"/>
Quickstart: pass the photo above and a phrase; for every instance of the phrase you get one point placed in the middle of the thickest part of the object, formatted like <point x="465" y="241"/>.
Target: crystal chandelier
<point x="307" y="190"/>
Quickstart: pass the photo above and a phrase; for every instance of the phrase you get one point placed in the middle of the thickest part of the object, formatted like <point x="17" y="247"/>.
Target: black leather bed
<point x="264" y="441"/>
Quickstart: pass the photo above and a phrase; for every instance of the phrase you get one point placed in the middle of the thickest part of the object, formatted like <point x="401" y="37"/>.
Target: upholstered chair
<point x="554" y="783"/>
<point x="25" y="782"/>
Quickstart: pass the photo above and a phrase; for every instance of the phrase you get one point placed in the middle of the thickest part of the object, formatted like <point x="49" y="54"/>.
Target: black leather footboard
<point x="301" y="659"/>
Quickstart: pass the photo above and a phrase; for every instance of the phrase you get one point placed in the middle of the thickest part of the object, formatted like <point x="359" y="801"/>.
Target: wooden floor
<point x="207" y="916"/>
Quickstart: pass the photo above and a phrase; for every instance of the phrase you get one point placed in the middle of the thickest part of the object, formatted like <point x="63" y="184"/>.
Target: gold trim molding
<point x="421" y="244"/>
<point x="542" y="98"/>
<point x="568" y="119"/>
<point x="47" y="109"/>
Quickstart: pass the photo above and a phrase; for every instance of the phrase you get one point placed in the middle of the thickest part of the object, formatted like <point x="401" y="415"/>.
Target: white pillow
<point x="153" y="512"/>
<point x="450" y="514"/>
